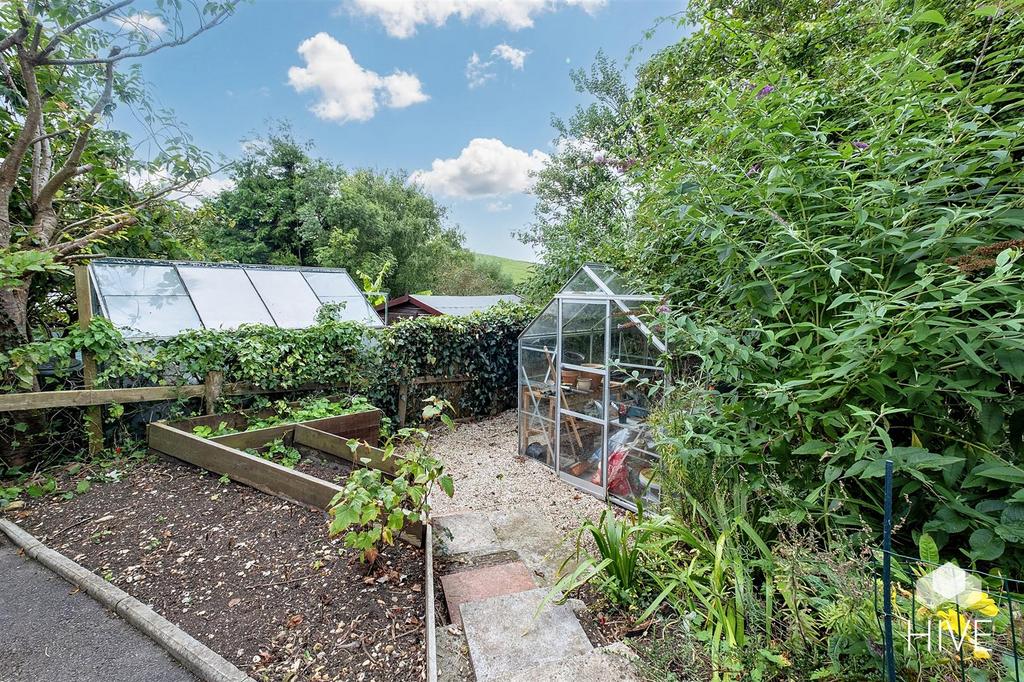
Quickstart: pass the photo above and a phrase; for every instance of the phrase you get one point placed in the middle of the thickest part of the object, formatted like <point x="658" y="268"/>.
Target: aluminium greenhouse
<point x="154" y="299"/>
<point x="588" y="380"/>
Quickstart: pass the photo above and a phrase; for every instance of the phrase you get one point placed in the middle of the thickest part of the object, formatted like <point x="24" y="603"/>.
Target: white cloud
<point x="401" y="18"/>
<point x="403" y="89"/>
<point x="485" y="167"/>
<point x="498" y="206"/>
<point x="513" y="56"/>
<point x="349" y="92"/>
<point x="478" y="71"/>
<point x="148" y="25"/>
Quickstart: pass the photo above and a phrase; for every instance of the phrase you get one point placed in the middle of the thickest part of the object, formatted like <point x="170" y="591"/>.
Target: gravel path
<point x="489" y="474"/>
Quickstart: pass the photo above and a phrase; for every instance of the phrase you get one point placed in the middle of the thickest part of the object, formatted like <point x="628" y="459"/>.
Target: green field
<point x="518" y="270"/>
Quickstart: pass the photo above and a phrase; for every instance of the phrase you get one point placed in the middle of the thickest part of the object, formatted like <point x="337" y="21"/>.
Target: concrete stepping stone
<point x="534" y="538"/>
<point x="507" y="636"/>
<point x="464" y="533"/>
<point x="482" y="583"/>
<point x="605" y="664"/>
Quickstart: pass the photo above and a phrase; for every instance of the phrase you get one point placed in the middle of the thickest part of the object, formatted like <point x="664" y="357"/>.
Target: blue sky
<point x="385" y="84"/>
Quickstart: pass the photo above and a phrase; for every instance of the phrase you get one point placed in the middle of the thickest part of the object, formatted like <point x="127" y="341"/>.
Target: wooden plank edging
<point x="269" y="477"/>
<point x="256" y="472"/>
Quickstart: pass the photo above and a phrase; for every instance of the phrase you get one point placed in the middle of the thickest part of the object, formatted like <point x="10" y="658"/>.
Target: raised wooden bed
<point x="329" y="436"/>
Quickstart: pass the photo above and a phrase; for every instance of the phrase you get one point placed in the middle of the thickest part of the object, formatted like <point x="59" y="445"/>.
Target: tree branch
<point x="68" y="170"/>
<point x="63" y="250"/>
<point x="13" y="39"/>
<point x="33" y="114"/>
<point x="75" y="25"/>
<point x="220" y="17"/>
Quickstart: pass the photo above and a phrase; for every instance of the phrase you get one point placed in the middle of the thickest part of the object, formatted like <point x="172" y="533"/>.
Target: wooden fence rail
<point x="210" y="391"/>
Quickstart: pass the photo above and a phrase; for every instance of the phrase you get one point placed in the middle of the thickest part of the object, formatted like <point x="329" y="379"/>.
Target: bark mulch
<point x="253" y="577"/>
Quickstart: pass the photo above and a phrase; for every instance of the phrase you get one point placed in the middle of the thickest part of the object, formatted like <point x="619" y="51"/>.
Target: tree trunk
<point x="14" y="316"/>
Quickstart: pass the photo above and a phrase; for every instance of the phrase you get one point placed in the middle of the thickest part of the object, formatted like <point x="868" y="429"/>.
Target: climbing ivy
<point x="340" y="355"/>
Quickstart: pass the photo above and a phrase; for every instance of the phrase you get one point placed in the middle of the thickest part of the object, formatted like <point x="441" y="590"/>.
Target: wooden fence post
<point x="93" y="414"/>
<point x="212" y="390"/>
<point x="403" y="399"/>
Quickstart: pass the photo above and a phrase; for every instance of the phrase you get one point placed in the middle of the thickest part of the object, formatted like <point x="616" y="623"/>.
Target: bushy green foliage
<point x="372" y="509"/>
<point x="848" y="285"/>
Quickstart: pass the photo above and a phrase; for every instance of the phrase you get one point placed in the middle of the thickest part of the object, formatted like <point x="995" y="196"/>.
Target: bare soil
<point x="253" y="577"/>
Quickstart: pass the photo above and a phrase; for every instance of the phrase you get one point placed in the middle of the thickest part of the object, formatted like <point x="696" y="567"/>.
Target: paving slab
<point x="610" y="663"/>
<point x="463" y="534"/>
<point x="538" y="543"/>
<point x="506" y="635"/>
<point x="53" y="632"/>
<point x="481" y="583"/>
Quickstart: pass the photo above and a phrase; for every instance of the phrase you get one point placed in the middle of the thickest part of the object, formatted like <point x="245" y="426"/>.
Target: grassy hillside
<point x="518" y="270"/>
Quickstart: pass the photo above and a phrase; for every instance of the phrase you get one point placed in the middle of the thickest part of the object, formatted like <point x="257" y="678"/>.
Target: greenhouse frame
<point x="588" y="380"/>
<point x="157" y="299"/>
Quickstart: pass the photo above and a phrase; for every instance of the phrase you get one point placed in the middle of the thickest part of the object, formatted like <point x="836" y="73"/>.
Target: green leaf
<point x="930" y="16"/>
<point x="447" y="485"/>
<point x="813" y="447"/>
<point x="927" y="549"/>
<point x="986" y="545"/>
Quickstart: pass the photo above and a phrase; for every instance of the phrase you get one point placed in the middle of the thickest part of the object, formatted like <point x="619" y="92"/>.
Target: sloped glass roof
<point x="592" y="283"/>
<point x="157" y="299"/>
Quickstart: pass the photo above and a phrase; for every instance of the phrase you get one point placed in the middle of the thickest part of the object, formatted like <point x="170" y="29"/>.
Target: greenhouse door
<point x="582" y="387"/>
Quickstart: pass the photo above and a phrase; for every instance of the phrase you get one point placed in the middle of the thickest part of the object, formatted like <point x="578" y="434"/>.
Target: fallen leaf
<point x="295" y="621"/>
<point x="234" y="602"/>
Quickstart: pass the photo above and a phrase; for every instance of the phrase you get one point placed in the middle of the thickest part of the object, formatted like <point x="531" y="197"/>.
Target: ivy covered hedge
<point x="481" y="346"/>
<point x="340" y="355"/>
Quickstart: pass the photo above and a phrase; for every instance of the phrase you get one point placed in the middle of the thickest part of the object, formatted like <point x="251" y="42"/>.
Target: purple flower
<point x="754" y="170"/>
<point x="765" y="91"/>
<point x="663" y="309"/>
<point x="860" y="145"/>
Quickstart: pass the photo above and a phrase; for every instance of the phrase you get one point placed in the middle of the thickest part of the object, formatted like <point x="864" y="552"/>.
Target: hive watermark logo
<point x="955" y="613"/>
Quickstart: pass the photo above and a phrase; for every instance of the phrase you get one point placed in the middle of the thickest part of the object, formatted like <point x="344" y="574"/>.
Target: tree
<point x="59" y="63"/>
<point x="292" y="209"/>
<point x="584" y="202"/>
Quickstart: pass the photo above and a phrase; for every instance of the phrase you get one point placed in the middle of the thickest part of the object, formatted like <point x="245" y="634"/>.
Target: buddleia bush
<point x="839" y="230"/>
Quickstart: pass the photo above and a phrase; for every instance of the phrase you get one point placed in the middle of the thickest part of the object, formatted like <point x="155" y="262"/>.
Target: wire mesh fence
<point x="942" y="622"/>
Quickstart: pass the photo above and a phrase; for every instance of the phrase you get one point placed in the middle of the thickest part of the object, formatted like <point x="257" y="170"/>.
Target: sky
<point x="457" y="93"/>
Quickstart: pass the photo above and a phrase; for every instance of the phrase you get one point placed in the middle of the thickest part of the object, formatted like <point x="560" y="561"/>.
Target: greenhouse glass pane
<point x="150" y="316"/>
<point x="332" y="284"/>
<point x="581" y="283"/>
<point x="633" y="469"/>
<point x="630" y="345"/>
<point x="287" y="296"/>
<point x="224" y="297"/>
<point x="583" y="316"/>
<point x="580" y="449"/>
<point x="356" y="309"/>
<point x="546" y="323"/>
<point x="118" y="279"/>
<point x="611" y="279"/>
<point x="583" y="334"/>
